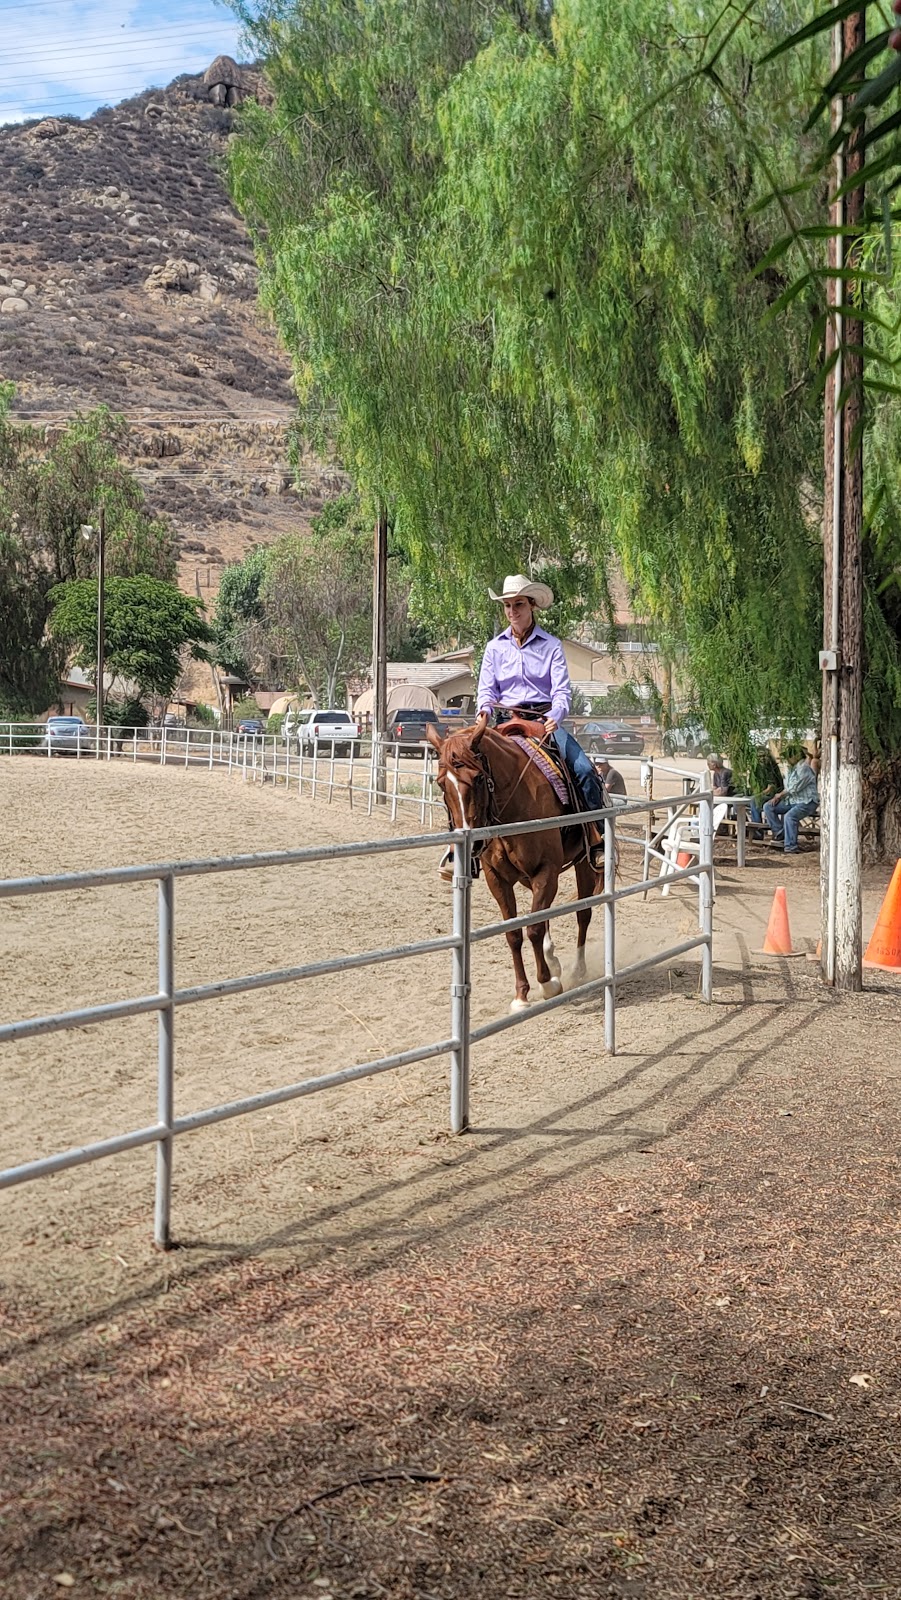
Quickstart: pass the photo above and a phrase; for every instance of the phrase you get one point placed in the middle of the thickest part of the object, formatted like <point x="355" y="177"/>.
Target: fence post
<point x="610" y="936"/>
<point x="460" y="984"/>
<point x="396" y="781"/>
<point x="705" y="890"/>
<point x="166" y="1063"/>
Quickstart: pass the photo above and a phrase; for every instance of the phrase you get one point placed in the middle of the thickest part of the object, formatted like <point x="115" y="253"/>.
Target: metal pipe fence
<point x="459" y="943"/>
<point x="324" y="770"/>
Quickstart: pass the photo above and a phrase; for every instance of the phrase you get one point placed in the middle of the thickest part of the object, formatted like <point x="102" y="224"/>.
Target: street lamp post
<point x="88" y="532"/>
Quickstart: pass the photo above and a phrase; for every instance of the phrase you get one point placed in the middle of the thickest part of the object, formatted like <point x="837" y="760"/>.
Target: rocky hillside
<point x="127" y="278"/>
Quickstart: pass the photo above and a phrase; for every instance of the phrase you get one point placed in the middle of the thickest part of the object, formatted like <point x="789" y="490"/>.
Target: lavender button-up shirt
<point x="515" y="675"/>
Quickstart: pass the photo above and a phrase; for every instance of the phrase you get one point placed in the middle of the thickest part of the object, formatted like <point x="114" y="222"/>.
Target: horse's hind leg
<point x="506" y="899"/>
<point x="587" y="882"/>
<point x="544" y="889"/>
<point x="554" y="966"/>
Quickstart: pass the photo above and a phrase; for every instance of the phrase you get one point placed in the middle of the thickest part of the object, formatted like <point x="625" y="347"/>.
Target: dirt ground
<point x="635" y="1334"/>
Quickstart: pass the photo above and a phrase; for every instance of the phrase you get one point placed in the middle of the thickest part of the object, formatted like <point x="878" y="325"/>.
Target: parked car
<point x="409" y="726"/>
<point x="610" y="739"/>
<point x="327" y="729"/>
<point x="690" y="739"/>
<point x="67" y="735"/>
<point x="250" y="727"/>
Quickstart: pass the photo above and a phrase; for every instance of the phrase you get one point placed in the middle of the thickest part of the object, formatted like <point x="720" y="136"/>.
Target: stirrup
<point x="596" y="857"/>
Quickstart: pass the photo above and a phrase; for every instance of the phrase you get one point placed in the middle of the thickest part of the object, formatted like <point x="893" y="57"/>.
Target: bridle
<point x="478" y="760"/>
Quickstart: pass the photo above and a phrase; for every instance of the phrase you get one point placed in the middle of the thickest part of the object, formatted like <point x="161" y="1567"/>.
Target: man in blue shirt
<point x="799" y="798"/>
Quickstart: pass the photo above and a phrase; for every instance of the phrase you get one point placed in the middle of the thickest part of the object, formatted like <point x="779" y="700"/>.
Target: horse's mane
<point x="457" y="751"/>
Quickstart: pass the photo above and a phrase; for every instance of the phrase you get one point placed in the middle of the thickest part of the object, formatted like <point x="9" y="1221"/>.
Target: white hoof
<point x="552" y="988"/>
<point x="519" y="1005"/>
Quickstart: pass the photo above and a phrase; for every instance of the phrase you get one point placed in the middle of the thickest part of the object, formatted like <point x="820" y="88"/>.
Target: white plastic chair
<point x="681" y="838"/>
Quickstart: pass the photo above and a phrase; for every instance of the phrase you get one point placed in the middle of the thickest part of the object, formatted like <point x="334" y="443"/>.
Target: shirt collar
<point x="537" y="633"/>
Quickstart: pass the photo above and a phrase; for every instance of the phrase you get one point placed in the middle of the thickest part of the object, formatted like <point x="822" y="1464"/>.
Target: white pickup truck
<point x="309" y="730"/>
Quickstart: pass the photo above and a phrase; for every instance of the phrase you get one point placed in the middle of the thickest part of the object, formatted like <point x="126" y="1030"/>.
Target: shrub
<point x="246" y="708"/>
<point x="274" y="724"/>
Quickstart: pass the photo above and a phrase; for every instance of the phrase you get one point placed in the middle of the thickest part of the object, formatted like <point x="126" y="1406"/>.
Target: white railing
<point x="168" y="999"/>
<point x="323" y="771"/>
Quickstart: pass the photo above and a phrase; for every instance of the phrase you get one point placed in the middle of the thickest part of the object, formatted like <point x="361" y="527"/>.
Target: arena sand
<point x="350" y="1169"/>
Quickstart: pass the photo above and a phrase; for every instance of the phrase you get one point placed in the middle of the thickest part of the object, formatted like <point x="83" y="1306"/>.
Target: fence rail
<point x="458" y="943"/>
<point x="324" y="771"/>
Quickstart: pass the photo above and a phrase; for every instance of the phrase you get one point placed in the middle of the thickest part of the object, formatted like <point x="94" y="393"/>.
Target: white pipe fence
<point x="459" y="942"/>
<point x="323" y="771"/>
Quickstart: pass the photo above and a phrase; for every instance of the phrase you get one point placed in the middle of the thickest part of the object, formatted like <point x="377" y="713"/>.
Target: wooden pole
<point x="101" y="619"/>
<point x="842" y="658"/>
<point x="380" y="658"/>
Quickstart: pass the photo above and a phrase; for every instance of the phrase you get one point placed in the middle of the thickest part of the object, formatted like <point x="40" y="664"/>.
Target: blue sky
<point x="60" y="57"/>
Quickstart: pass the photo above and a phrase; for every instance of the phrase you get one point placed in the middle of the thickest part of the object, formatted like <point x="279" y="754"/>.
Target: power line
<point x="128" y="41"/>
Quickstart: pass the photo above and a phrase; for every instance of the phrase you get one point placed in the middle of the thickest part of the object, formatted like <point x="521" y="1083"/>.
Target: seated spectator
<point x="720" y="775"/>
<point x="613" y="781"/>
<point x="762" y="781"/>
<point x="797" y="799"/>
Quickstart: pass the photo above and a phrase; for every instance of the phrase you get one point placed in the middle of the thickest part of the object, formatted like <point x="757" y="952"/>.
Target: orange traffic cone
<point x="884" y="949"/>
<point x="778" y="940"/>
<point x="684" y="858"/>
<point x="818" y="953"/>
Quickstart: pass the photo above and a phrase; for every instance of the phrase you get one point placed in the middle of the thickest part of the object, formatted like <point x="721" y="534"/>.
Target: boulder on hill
<point x="173" y="276"/>
<point x="225" y="82"/>
<point x="49" y="128"/>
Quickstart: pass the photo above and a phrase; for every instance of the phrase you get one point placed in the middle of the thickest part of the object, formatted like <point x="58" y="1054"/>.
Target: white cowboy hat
<point x="518" y="584"/>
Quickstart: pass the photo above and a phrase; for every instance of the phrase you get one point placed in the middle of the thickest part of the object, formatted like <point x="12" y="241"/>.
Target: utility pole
<point x="380" y="657"/>
<point x="842" y="655"/>
<point x="101" y="618"/>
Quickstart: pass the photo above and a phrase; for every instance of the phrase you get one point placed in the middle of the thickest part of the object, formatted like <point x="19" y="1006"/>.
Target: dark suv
<point x="409" y="726"/>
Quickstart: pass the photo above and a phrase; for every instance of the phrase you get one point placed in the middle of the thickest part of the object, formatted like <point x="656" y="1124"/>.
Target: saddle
<point x="543" y="753"/>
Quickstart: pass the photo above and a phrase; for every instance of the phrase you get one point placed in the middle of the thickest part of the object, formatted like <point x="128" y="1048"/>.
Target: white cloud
<point x="70" y="56"/>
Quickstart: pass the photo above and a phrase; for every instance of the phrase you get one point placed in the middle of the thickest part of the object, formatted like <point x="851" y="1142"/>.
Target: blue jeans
<point x="782" y="818"/>
<point x="582" y="767"/>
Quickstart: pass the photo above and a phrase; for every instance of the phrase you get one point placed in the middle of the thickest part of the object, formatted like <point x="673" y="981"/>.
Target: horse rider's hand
<point x="550" y="726"/>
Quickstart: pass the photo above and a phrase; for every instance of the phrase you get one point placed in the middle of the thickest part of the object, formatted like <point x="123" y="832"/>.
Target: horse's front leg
<point x="588" y="882"/>
<point x="506" y="899"/>
<point x="544" y="889"/>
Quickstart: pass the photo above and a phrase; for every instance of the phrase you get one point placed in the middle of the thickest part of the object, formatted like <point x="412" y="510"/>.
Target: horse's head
<point x="464" y="777"/>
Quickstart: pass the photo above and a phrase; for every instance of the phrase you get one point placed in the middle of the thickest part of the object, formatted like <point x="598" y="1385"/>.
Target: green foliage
<point x="238" y="609"/>
<point x="149" y="624"/>
<point x="49" y="489"/>
<point x="525" y="310"/>
<point x="274" y="722"/>
<point x="52" y="487"/>
<point x="203" y="716"/>
<point x="30" y="666"/>
<point x="127" y="713"/>
<point x="245" y="709"/>
<point x="623" y="700"/>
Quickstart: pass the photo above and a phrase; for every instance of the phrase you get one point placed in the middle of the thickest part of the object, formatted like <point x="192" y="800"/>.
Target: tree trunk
<point x="882" y="810"/>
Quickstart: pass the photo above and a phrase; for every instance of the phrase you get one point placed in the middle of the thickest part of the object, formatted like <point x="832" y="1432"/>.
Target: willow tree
<point x="339" y="180"/>
<point x="527" y="295"/>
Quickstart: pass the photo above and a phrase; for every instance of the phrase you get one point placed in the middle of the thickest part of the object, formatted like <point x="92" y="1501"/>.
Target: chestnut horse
<point x="487" y="779"/>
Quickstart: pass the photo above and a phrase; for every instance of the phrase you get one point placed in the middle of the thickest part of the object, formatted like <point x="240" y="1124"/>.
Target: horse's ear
<point x="478" y="731"/>
<point x="433" y="736"/>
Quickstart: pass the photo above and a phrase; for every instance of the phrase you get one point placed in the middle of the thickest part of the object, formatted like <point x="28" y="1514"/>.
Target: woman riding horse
<point x="524" y="674"/>
<point x="488" y="778"/>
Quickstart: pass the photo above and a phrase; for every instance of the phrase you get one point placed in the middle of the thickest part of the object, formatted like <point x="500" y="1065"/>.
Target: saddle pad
<point x="545" y="766"/>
